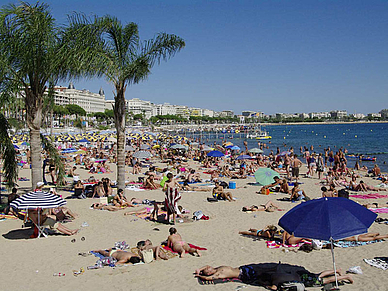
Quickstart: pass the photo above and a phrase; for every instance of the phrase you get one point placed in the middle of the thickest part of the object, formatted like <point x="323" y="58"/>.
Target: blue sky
<point x="270" y="56"/>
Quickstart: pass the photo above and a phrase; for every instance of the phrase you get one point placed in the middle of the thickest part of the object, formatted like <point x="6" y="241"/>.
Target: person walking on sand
<point x="177" y="244"/>
<point x="172" y="197"/>
<point x="295" y="164"/>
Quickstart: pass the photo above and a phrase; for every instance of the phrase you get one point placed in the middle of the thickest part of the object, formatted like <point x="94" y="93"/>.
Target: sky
<point x="269" y="56"/>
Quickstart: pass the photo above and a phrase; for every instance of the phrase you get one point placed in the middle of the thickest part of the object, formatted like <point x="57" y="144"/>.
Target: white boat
<point x="258" y="133"/>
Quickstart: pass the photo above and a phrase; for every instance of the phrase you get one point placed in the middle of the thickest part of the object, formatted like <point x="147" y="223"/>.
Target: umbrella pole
<point x="335" y="270"/>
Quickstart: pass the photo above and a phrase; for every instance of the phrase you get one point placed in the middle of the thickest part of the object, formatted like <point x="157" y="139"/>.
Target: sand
<point x="29" y="264"/>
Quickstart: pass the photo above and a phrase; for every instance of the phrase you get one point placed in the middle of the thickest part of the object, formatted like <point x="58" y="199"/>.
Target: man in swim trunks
<point x="246" y="273"/>
<point x="295" y="164"/>
<point x="121" y="256"/>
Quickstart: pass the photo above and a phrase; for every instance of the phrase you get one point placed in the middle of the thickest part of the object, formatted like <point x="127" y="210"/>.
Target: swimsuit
<point x="311" y="280"/>
<point x="247" y="274"/>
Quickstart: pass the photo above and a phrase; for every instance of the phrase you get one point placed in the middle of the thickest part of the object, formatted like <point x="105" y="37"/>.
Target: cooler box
<point x="232" y="185"/>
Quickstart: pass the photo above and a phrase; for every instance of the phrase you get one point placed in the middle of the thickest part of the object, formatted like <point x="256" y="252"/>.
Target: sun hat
<point x="39" y="184"/>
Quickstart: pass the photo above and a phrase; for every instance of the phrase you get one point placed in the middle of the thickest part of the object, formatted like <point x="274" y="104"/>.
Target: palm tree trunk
<point x="36" y="165"/>
<point x="119" y="112"/>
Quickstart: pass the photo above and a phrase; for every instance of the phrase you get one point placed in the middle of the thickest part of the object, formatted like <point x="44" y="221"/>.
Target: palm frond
<point x="55" y="156"/>
<point x="7" y="151"/>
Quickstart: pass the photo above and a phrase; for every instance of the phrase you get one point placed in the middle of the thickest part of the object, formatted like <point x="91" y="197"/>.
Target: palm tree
<point x="124" y="60"/>
<point x="33" y="53"/>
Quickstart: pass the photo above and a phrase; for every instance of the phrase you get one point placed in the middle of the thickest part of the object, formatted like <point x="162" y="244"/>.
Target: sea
<point x="369" y="139"/>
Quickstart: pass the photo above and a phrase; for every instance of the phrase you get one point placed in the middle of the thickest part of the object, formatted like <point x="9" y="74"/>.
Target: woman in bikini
<point x="269" y="207"/>
<point x="268" y="232"/>
<point x="290" y="239"/>
<point x="177" y="244"/>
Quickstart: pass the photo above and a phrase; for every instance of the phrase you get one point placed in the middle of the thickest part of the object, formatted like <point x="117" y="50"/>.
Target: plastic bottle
<point x="58" y="274"/>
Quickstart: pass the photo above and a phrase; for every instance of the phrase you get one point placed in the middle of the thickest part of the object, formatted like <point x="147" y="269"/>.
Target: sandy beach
<point x="30" y="263"/>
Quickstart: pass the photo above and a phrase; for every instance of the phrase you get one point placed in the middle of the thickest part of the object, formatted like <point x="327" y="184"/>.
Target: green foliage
<point x="109" y="113"/>
<point x="53" y="154"/>
<point x="7" y="151"/>
<point x="75" y="109"/>
<point x="138" y="117"/>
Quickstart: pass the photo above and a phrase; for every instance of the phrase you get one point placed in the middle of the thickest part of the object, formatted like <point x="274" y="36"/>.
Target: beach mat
<point x="378" y="262"/>
<point x="379" y="210"/>
<point x="272" y="244"/>
<point x="348" y="244"/>
<point x="368" y="196"/>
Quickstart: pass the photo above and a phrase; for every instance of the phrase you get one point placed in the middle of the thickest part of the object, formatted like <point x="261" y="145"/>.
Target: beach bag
<point x="148" y="256"/>
<point x="224" y="184"/>
<point x="164" y="179"/>
<point x="317" y="244"/>
<point x="197" y="215"/>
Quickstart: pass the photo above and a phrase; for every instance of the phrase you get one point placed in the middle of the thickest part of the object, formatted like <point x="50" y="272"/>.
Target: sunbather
<point x="269" y="207"/>
<point x="268" y="232"/>
<point x="367" y="237"/>
<point x="218" y="192"/>
<point x="101" y="206"/>
<point x="176" y="243"/>
<point x="121" y="256"/>
<point x="147" y="245"/>
<point x="290" y="239"/>
<point x="41" y="218"/>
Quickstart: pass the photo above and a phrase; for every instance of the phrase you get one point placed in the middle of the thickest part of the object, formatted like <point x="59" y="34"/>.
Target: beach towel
<point x="379" y="210"/>
<point x="190" y="245"/>
<point x="4" y="217"/>
<point x="378" y="262"/>
<point x="347" y="244"/>
<point x="272" y="244"/>
<point x="104" y="259"/>
<point x="218" y="281"/>
<point x="369" y="196"/>
<point x="133" y="188"/>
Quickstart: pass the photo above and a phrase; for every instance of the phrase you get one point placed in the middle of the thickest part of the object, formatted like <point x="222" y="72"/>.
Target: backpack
<point x="343" y="193"/>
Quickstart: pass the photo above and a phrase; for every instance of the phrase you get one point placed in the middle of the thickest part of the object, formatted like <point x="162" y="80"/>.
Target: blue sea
<point x="364" y="138"/>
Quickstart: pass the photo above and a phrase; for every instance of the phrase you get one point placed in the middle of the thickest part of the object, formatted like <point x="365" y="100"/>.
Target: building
<point x="358" y="115"/>
<point x="90" y="102"/>
<point x="319" y="115"/>
<point x="374" y="115"/>
<point x="226" y="113"/>
<point x="163" y="109"/>
<point x="182" y="111"/>
<point x="196" y="112"/>
<point x="137" y="106"/>
<point x="207" y="112"/>
<point x="303" y="115"/>
<point x="247" y="113"/>
<point x="338" y="114"/>
<point x="384" y="113"/>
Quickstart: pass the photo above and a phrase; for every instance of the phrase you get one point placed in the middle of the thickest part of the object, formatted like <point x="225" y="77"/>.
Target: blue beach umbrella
<point x="264" y="176"/>
<point x="216" y="154"/>
<point x="243" y="157"/>
<point x="328" y="219"/>
<point x="235" y="148"/>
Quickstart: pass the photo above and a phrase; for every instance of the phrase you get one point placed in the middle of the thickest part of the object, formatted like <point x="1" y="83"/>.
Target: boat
<point x="258" y="133"/>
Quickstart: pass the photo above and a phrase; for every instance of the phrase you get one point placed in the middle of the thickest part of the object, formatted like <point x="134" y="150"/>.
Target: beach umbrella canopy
<point x="264" y="176"/>
<point x="38" y="199"/>
<point x="207" y="149"/>
<point x="83" y="140"/>
<point x="328" y="218"/>
<point x="255" y="151"/>
<point x="243" y="157"/>
<point x="216" y="154"/>
<point x="67" y="151"/>
<point x="15" y="146"/>
<point x="144" y="147"/>
<point x="142" y="155"/>
<point x="178" y="147"/>
<point x="129" y="148"/>
<point x="235" y="148"/>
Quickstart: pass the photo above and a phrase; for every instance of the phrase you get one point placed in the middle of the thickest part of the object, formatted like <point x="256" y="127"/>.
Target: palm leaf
<point x="53" y="154"/>
<point x="7" y="151"/>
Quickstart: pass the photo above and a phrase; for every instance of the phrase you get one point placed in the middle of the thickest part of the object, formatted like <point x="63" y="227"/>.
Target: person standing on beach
<point x="295" y="164"/>
<point x="172" y="197"/>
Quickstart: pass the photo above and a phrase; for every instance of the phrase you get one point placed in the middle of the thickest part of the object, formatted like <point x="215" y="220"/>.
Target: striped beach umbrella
<point x="38" y="199"/>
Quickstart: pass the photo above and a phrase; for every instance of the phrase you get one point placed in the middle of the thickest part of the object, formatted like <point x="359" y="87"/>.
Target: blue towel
<point x="100" y="256"/>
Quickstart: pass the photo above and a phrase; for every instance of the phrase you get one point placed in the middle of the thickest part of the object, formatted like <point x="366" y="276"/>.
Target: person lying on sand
<point x="176" y="243"/>
<point x="101" y="206"/>
<point x="268" y="232"/>
<point x="187" y="187"/>
<point x="122" y="257"/>
<point x="269" y="207"/>
<point x="272" y="278"/>
<point x="367" y="237"/>
<point x="290" y="239"/>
